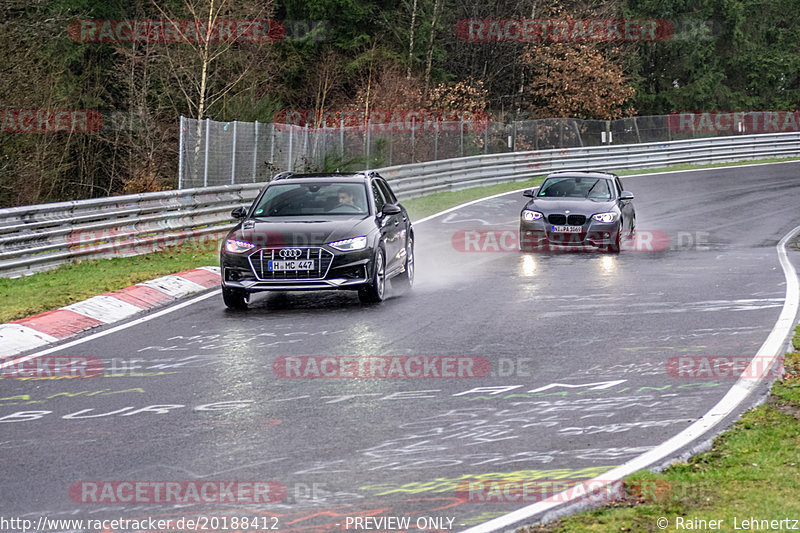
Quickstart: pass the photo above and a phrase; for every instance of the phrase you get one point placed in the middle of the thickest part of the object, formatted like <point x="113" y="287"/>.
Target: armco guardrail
<point x="409" y="181"/>
<point x="39" y="237"/>
<point x="36" y="238"/>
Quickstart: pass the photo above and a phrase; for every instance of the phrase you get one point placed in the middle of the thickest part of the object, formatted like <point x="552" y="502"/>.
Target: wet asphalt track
<point x="400" y="447"/>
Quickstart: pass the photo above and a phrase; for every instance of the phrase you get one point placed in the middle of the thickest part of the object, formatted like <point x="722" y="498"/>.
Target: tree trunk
<point x="436" y="6"/>
<point x="411" y="39"/>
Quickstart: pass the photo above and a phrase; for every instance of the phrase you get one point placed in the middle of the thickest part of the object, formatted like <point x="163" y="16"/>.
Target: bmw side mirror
<point x="239" y="213"/>
<point x="528" y="193"/>
<point x="626" y="195"/>
<point x="391" y="209"/>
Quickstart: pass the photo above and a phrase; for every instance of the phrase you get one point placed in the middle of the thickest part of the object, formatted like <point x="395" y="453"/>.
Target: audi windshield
<point x="304" y="199"/>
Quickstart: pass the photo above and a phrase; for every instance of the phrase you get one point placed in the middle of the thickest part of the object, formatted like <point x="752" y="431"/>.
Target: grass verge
<point x="74" y="282"/>
<point x="66" y="284"/>
<point x="752" y="471"/>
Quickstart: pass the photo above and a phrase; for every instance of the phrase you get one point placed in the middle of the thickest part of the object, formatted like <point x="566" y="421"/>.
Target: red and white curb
<point x="53" y="326"/>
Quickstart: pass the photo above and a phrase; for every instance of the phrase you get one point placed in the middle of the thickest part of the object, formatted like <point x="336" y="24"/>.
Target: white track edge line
<point x="771" y="349"/>
<point x="110" y="330"/>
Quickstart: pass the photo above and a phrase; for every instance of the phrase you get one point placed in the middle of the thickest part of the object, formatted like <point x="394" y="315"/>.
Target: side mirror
<point x="626" y="195"/>
<point x="239" y="213"/>
<point x="528" y="193"/>
<point x="391" y="209"/>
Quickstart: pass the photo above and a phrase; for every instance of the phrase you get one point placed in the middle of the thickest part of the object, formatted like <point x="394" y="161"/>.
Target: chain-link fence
<point x="220" y="153"/>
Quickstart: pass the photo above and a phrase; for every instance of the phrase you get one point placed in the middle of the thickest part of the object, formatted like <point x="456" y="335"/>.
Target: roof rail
<point x="577" y="171"/>
<point x="282" y="175"/>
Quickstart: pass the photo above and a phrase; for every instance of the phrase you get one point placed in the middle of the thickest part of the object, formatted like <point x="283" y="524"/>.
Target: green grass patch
<point x="44" y="291"/>
<point x="66" y="284"/>
<point x="788" y="389"/>
<point x="751" y="471"/>
<point x="796" y="339"/>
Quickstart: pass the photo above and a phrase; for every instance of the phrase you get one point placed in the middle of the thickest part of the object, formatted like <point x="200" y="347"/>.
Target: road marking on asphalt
<point x="771" y="348"/>
<point x="769" y="351"/>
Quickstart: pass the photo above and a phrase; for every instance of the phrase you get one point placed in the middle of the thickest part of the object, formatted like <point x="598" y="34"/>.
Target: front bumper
<point x="538" y="234"/>
<point x="343" y="270"/>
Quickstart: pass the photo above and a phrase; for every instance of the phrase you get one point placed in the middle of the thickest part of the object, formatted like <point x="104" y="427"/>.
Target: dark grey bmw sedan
<point x="582" y="209"/>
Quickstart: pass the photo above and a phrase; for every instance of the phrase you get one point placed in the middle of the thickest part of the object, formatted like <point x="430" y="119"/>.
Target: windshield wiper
<point x="592" y="187"/>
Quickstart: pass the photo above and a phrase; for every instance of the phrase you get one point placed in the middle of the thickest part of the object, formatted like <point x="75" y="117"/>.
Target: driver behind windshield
<point x="346" y="198"/>
<point x="346" y="202"/>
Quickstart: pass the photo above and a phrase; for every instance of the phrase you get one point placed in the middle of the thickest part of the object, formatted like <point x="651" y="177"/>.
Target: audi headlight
<point x="605" y="217"/>
<point x="349" y="245"/>
<point x="529" y="216"/>
<point x="237" y="247"/>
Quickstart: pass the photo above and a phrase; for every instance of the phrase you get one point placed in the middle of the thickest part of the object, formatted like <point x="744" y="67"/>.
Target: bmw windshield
<point x="575" y="187"/>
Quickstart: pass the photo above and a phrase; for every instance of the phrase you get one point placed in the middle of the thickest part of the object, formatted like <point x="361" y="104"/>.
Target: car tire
<point x="525" y="244"/>
<point x="532" y="244"/>
<point x="234" y="299"/>
<point x="405" y="280"/>
<point x="376" y="289"/>
<point x="616" y="246"/>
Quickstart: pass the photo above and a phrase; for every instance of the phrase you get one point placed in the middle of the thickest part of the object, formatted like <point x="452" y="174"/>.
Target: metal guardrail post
<point x="205" y="163"/>
<point x="180" y="153"/>
<point x="436" y="140"/>
<point x="233" y="156"/>
<point x="255" y="151"/>
<point x="413" y="141"/>
<point x="305" y="144"/>
<point x="366" y="144"/>
<point x="461" y="135"/>
<point x="291" y="140"/>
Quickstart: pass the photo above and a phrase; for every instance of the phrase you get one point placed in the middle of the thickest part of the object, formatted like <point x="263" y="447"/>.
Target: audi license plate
<point x="566" y="229"/>
<point x="300" y="264"/>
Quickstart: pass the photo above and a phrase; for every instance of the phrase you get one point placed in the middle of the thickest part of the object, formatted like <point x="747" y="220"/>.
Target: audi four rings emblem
<point x="290" y="253"/>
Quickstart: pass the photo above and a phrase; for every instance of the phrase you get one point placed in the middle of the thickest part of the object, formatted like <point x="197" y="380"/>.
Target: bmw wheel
<point x="616" y="246"/>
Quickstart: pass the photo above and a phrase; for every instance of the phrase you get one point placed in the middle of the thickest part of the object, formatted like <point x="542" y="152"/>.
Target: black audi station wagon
<point x="319" y="232"/>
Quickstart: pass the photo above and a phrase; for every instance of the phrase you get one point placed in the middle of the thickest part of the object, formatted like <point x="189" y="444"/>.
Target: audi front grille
<point x="259" y="261"/>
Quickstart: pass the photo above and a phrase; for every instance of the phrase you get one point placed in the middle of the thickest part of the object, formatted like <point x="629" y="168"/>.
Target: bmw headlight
<point x="605" y="217"/>
<point x="529" y="216"/>
<point x="349" y="245"/>
<point x="237" y="247"/>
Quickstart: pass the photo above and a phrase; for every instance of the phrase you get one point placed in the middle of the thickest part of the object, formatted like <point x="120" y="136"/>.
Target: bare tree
<point x="411" y="39"/>
<point x="196" y="63"/>
<point x="434" y="19"/>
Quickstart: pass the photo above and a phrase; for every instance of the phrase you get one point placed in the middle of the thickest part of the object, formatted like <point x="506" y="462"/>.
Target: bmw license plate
<point x="566" y="229"/>
<point x="304" y="264"/>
